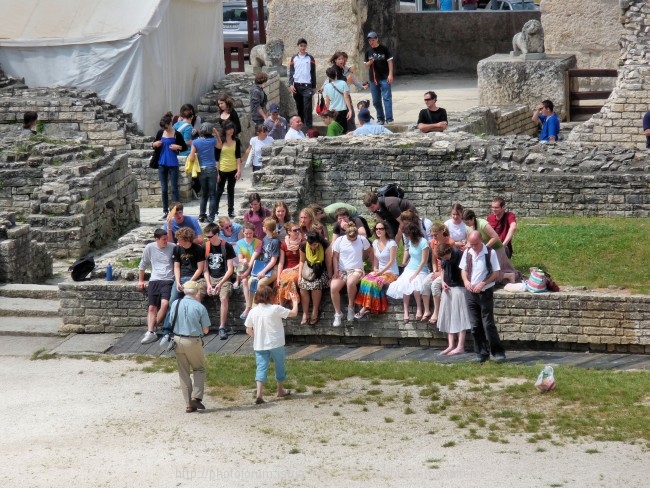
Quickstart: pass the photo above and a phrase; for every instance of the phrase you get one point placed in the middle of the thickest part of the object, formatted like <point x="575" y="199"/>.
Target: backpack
<point x="390" y="190"/>
<point x="81" y="268"/>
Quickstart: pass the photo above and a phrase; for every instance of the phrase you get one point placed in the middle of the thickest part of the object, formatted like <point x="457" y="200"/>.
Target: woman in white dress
<point x="416" y="270"/>
<point x="453" y="318"/>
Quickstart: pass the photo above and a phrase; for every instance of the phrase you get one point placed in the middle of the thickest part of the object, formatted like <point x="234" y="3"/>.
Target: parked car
<point x="513" y="5"/>
<point x="235" y="22"/>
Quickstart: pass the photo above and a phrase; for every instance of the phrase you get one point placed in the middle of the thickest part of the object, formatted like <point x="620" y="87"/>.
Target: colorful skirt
<point x="288" y="286"/>
<point x="454" y="314"/>
<point x="372" y="292"/>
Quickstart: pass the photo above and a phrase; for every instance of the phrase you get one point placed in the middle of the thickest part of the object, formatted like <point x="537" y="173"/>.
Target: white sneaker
<point x="149" y="337"/>
<point x="338" y="319"/>
<point x="350" y="314"/>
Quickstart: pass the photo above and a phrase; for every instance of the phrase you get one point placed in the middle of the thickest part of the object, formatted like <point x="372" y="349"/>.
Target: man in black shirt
<point x="388" y="211"/>
<point x="219" y="271"/>
<point x="379" y="61"/>
<point x="432" y="118"/>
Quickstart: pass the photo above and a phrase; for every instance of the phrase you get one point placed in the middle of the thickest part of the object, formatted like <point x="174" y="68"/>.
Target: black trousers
<point x="303" y="97"/>
<point x="227" y="177"/>
<point x="484" y="330"/>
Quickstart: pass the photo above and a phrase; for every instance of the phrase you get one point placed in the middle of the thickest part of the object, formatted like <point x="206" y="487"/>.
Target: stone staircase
<point x="30" y="310"/>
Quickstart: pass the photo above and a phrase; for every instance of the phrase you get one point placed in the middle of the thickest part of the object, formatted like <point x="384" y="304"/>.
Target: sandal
<point x="285" y="394"/>
<point x="418" y="318"/>
<point x="425" y="317"/>
<point x="304" y="320"/>
<point x="361" y="314"/>
<point x="313" y="322"/>
<point x="407" y="319"/>
<point x="259" y="401"/>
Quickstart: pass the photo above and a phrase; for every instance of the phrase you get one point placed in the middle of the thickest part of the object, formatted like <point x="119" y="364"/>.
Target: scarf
<point x="314" y="257"/>
<point x="292" y="246"/>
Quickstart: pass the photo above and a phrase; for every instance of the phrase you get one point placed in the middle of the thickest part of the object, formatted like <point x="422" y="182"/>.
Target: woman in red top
<point x="433" y="282"/>
<point x="289" y="266"/>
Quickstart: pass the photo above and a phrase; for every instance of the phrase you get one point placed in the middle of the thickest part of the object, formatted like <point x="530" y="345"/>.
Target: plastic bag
<point x="546" y="380"/>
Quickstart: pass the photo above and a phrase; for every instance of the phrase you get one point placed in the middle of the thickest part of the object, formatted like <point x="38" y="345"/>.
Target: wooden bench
<point x="574" y="109"/>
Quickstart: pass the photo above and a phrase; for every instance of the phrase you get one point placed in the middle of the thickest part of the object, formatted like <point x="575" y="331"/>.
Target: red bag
<point x="320" y="104"/>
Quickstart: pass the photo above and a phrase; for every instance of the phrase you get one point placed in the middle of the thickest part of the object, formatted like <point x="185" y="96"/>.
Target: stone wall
<point x="431" y="42"/>
<point x="22" y="259"/>
<point x="496" y="121"/>
<point x="589" y="29"/>
<point x="327" y="25"/>
<point x="575" y="320"/>
<point x="437" y="169"/>
<point x="619" y="121"/>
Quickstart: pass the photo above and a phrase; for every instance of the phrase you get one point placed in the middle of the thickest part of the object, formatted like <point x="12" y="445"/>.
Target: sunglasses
<point x="209" y="236"/>
<point x="379" y="228"/>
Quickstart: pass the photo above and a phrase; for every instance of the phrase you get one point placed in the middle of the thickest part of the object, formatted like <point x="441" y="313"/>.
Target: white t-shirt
<point x="383" y="256"/>
<point x="293" y="134"/>
<point x="479" y="267"/>
<point x="266" y="322"/>
<point x="350" y="252"/>
<point x="457" y="232"/>
<point x="257" y="146"/>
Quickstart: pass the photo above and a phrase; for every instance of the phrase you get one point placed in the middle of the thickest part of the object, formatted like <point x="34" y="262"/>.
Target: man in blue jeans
<point x="379" y="62"/>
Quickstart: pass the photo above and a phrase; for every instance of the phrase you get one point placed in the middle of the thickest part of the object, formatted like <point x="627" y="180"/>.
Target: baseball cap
<point x="275" y="108"/>
<point x="364" y="115"/>
<point x="372" y="35"/>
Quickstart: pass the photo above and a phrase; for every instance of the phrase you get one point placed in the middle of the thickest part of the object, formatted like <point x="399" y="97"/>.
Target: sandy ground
<point x="81" y="423"/>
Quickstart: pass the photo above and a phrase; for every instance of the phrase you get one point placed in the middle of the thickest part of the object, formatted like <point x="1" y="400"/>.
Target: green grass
<point x="584" y="251"/>
<point x="587" y="404"/>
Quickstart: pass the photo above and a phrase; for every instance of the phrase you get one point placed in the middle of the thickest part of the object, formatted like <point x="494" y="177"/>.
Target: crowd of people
<point x="285" y="264"/>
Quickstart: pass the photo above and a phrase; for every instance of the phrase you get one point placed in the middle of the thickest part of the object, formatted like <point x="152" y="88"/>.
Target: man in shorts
<point x="219" y="271"/>
<point x="158" y="256"/>
<point x="348" y="253"/>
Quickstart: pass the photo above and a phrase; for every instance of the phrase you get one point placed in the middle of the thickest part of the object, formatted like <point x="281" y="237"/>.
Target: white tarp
<point x="146" y="56"/>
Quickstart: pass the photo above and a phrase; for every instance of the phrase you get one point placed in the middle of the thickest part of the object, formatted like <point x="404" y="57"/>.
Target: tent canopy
<point x="146" y="56"/>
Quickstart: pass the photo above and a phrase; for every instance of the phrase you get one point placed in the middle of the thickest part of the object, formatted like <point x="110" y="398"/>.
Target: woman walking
<point x="229" y="154"/>
<point x="203" y="147"/>
<point x="167" y="144"/>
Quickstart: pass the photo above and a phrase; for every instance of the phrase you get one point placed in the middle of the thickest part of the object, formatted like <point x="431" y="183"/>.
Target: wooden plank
<point x="359" y="353"/>
<point x="233" y="344"/>
<point x="307" y="351"/>
<point x="593" y="73"/>
<point x="590" y="95"/>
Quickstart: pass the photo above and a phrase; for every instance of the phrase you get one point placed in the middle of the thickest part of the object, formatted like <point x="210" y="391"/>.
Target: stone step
<point x="28" y="307"/>
<point x="31" y="326"/>
<point x="11" y="290"/>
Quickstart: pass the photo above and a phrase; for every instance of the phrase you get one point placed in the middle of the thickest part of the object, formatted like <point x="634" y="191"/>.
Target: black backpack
<point x="81" y="268"/>
<point x="390" y="190"/>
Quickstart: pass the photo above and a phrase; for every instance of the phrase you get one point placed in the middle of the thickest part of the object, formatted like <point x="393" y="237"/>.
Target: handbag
<point x="155" y="157"/>
<point x="320" y="104"/>
<point x="308" y="273"/>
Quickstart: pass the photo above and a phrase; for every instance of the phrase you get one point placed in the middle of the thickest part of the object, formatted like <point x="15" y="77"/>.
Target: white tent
<point x="144" y="56"/>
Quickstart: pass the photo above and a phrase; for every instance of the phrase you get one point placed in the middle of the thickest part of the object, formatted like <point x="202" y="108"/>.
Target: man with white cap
<point x="190" y="323"/>
<point x="276" y="124"/>
<point x="366" y="128"/>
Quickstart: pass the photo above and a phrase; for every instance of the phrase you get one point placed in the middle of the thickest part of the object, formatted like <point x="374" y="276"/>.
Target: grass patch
<point x="129" y="263"/>
<point x="41" y="354"/>
<point x="616" y="244"/>
<point x="389" y="420"/>
<point x="589" y="404"/>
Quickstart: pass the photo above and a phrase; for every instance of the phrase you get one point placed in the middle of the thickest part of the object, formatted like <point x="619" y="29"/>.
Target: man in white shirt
<point x="479" y="277"/>
<point x="295" y="126"/>
<point x="302" y="81"/>
<point x="348" y="254"/>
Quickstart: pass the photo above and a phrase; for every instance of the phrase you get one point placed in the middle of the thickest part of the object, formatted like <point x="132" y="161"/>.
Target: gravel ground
<point x="82" y="423"/>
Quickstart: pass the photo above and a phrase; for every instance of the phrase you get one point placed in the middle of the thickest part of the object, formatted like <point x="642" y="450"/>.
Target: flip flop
<point x="407" y="320"/>
<point x="286" y="394"/>
<point x="259" y="401"/>
<point x="418" y="318"/>
<point x="360" y="315"/>
<point x="304" y="321"/>
<point x="313" y="322"/>
<point x="425" y="317"/>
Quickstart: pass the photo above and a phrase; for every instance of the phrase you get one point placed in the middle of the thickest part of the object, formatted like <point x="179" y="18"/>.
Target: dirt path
<point x="81" y="423"/>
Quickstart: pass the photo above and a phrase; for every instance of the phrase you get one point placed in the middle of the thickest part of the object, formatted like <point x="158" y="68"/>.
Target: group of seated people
<point x="300" y="258"/>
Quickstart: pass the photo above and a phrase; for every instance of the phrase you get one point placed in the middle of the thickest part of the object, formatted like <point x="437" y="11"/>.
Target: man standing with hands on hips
<point x="379" y="62"/>
<point x="302" y="81"/>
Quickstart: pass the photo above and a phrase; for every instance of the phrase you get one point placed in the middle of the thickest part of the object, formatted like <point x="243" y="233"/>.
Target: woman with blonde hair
<point x="309" y="223"/>
<point x="281" y="215"/>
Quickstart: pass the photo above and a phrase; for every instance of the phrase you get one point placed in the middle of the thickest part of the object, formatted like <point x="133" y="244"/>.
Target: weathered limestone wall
<point x="436" y="170"/>
<point x="586" y="28"/>
<point x="619" y="121"/>
<point x="575" y="320"/>
<point x="327" y="25"/>
<point x="22" y="259"/>
<point x="431" y="42"/>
